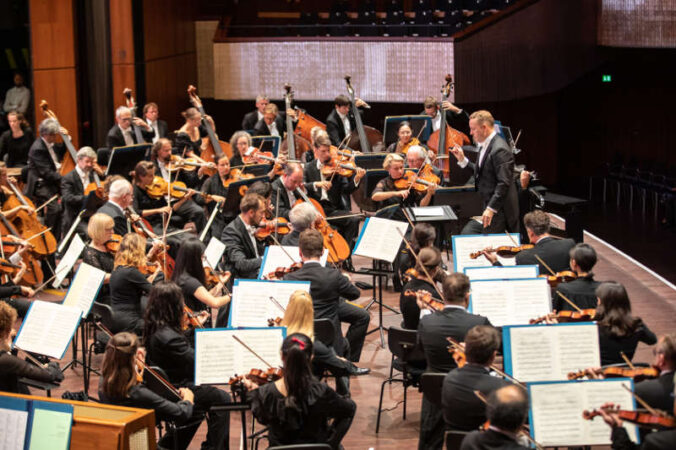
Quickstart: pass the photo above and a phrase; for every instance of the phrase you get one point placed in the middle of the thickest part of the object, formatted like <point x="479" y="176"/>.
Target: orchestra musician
<point x="297" y="408"/>
<point x="12" y="368"/>
<point x="169" y="348"/>
<point x="10" y="289"/>
<point x="15" y="142"/>
<point x="120" y="197"/>
<point x="100" y="230"/>
<point x="123" y="134"/>
<point x="151" y="115"/>
<point x="454" y="115"/>
<point x="340" y="122"/>
<point x="73" y="187"/>
<point x="43" y="178"/>
<point x="658" y="393"/>
<point x="430" y="259"/>
<point x="240" y="143"/>
<point x="655" y="440"/>
<point x="493" y="175"/>
<point x="507" y="412"/>
<point x="119" y="385"/>
<point x="463" y="410"/>
<point x="272" y="123"/>
<point x="404" y="138"/>
<point x="284" y="193"/>
<point x="191" y="133"/>
<point x="243" y="252"/>
<point x="417" y="157"/>
<point x="423" y="235"/>
<point x="252" y="118"/>
<point x="328" y="288"/>
<point x="215" y="187"/>
<point x="582" y="290"/>
<point x="5" y="191"/>
<point x="301" y="217"/>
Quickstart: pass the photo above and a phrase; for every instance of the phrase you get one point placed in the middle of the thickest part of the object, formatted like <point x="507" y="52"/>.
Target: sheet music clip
<point x="418" y="122"/>
<point x="124" y="159"/>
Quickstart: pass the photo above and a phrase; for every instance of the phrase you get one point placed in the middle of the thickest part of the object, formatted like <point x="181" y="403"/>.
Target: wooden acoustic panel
<point x="58" y="88"/>
<point x="167" y="82"/>
<point x="52" y="34"/>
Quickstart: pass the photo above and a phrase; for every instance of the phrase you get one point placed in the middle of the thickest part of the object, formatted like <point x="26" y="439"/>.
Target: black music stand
<point x="371" y="178"/>
<point x="465" y="202"/>
<point x="370" y="161"/>
<point x="257" y="170"/>
<point x="231" y="205"/>
<point x="267" y="144"/>
<point x="440" y="222"/>
<point x="124" y="159"/>
<point x="418" y="122"/>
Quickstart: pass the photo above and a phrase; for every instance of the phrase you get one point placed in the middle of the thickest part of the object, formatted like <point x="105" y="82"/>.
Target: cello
<point x="439" y="142"/>
<point x="292" y="148"/>
<point x="334" y="242"/>
<point x="131" y="104"/>
<point x="215" y="148"/>
<point x="33" y="275"/>
<point x="305" y="123"/>
<point x="368" y="137"/>
<point x="69" y="158"/>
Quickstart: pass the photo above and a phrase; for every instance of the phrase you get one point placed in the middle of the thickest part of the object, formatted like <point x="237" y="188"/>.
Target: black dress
<point x="611" y="346"/>
<point x="305" y="423"/>
<point x="189" y="286"/>
<point x="127" y="286"/>
<point x="104" y="261"/>
<point x="408" y="305"/>
<point x="16" y="149"/>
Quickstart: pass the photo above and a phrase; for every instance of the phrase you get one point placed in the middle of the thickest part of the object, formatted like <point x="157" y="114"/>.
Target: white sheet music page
<point x="550" y="352"/>
<point x="218" y="356"/>
<point x="380" y="239"/>
<point x="48" y="328"/>
<point x="510" y="302"/>
<point x="278" y="256"/>
<point x="68" y="261"/>
<point x="85" y="287"/>
<point x="214" y="252"/>
<point x="464" y="245"/>
<point x="13" y="429"/>
<point x="251" y="305"/>
<point x="556" y="411"/>
<point x="501" y="273"/>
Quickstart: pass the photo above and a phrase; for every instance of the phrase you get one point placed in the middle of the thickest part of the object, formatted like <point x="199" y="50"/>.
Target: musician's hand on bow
<point x="487" y="217"/>
<point x="326" y="185"/>
<point x="187" y="395"/>
<point x="359" y="174"/>
<point x="403" y="194"/>
<point x="28" y="292"/>
<point x="458" y="153"/>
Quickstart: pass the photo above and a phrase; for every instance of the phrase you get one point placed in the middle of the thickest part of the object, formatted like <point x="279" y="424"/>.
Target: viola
<point x="584" y="315"/>
<point x="279" y="272"/>
<point x="278" y="225"/>
<point x="412" y="273"/>
<point x="426" y="298"/>
<point x="505" y="251"/>
<point x="113" y="245"/>
<point x="636" y="373"/>
<point x="215" y="148"/>
<point x="642" y="418"/>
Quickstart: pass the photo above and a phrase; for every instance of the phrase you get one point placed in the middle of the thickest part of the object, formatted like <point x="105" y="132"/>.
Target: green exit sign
<point x="606" y="78"/>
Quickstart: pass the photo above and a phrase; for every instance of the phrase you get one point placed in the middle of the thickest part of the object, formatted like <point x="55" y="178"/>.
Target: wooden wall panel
<point x="50" y="85"/>
<point x="121" y="49"/>
<point x="167" y="86"/>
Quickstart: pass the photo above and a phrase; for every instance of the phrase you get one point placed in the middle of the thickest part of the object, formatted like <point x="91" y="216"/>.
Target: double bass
<point x="215" y="148"/>
<point x="294" y="149"/>
<point x="131" y="104"/>
<point x="363" y="138"/>
<point x="70" y="157"/>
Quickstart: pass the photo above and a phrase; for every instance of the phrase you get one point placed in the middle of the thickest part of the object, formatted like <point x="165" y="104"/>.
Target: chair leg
<point x="380" y="403"/>
<point x="391" y="366"/>
<point x="405" y="387"/>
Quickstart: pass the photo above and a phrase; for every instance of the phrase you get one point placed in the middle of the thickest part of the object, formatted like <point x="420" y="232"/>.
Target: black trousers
<point x="52" y="212"/>
<point x="347" y="227"/>
<point x="498" y="225"/>
<point x="192" y="212"/>
<point x="359" y="319"/>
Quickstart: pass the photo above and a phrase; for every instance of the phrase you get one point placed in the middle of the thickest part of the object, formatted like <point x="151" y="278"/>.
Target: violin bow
<point x="279" y="192"/>
<point x="544" y="264"/>
<point x="251" y="350"/>
<point x="427" y="274"/>
<point x="626" y="360"/>
<point x="274" y="239"/>
<point x="643" y="403"/>
<point x="570" y="302"/>
<point x="279" y="305"/>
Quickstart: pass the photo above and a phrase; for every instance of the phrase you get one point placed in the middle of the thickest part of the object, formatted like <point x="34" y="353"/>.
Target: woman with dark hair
<point x="169" y="348"/>
<point x="297" y="408"/>
<point x="119" y="385"/>
<point x="423" y="235"/>
<point x="15" y="142"/>
<point x="404" y="139"/>
<point x="619" y="331"/>
<point x="430" y="259"/>
<point x="189" y="276"/>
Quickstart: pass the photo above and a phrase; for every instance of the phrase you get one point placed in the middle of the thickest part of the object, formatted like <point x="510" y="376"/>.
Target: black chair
<point x="301" y="447"/>
<point x="430" y="385"/>
<point x="101" y="313"/>
<point x="454" y="439"/>
<point x="405" y="349"/>
<point x="36" y="384"/>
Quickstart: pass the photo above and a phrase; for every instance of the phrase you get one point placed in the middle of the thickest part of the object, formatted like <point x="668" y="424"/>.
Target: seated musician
<point x="554" y="252"/>
<point x="188" y="208"/>
<point x="328" y="288"/>
<point x="463" y="410"/>
<point x="430" y="259"/>
<point x="582" y="290"/>
<point x="120" y="197"/>
<point x="128" y="284"/>
<point x="433" y="329"/>
<point x="100" y="230"/>
<point x="454" y="115"/>
<point x="73" y="187"/>
<point x="13" y="368"/>
<point x="189" y="136"/>
<point x="43" y="178"/>
<point x="10" y="289"/>
<point x="215" y="187"/>
<point x="417" y="157"/>
<point x="619" y="330"/>
<point x="404" y="141"/>
<point x="507" y="412"/>
<point x="169" y="348"/>
<point x="272" y="123"/>
<point x="302" y="217"/>
<point x="123" y="133"/>
<point x="659" y="393"/>
<point x="298" y="408"/>
<point x="121" y="384"/>
<point x="284" y="194"/>
<point x="423" y="235"/>
<point x="340" y="122"/>
<point x="6" y="191"/>
<point x="240" y="142"/>
<point x="189" y="276"/>
<point x="15" y="142"/>
<point x="251" y="118"/>
<point x="151" y="115"/>
<point x="243" y="252"/>
<point x="333" y="191"/>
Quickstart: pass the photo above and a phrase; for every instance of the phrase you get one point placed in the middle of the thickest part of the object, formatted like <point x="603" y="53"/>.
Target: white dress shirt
<point x="128" y="139"/>
<point x="346" y="123"/>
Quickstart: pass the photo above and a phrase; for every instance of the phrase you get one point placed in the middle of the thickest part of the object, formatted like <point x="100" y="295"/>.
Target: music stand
<point x="231" y="205"/>
<point x="371" y="179"/>
<point x="267" y="144"/>
<point x="440" y="222"/>
<point x="418" y="122"/>
<point x="257" y="170"/>
<point x="124" y="159"/>
<point x="370" y="161"/>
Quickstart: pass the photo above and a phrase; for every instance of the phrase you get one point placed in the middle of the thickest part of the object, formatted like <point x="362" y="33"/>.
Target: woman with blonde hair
<point x="128" y="283"/>
<point x="191" y="132"/>
<point x="100" y="230"/>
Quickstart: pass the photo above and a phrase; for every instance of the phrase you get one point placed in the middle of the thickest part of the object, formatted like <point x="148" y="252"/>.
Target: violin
<point x="237" y="175"/>
<point x="560" y="277"/>
<point x="412" y="273"/>
<point x="337" y="166"/>
<point x="259" y="376"/>
<point x="159" y="188"/>
<point x="190" y="319"/>
<point x="177" y="163"/>
<point x="7" y="267"/>
<point x="113" y="245"/>
<point x="142" y="227"/>
<point x="426" y="298"/>
<point x="584" y="315"/>
<point x="279" y="272"/>
<point x="212" y="278"/>
<point x="640" y="417"/>
<point x="457" y="351"/>
<point x="416" y="181"/>
<point x="277" y="321"/>
<point x="278" y="225"/>
<point x="505" y="251"/>
<point x="636" y="373"/>
<point x="404" y="148"/>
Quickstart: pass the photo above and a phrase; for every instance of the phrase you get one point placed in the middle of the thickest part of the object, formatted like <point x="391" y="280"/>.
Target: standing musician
<point x="122" y="134"/>
<point x="582" y="290"/>
<point x="43" y="179"/>
<point x="243" y="252"/>
<point x="284" y="189"/>
<point x="340" y="122"/>
<point x="405" y="139"/>
<point x="453" y="113"/>
<point x="301" y="217"/>
<point x="215" y="187"/>
<point x="170" y="349"/>
<point x="120" y="197"/>
<point x="252" y="118"/>
<point x="151" y="115"/>
<point x="73" y="187"/>
<point x="100" y="230"/>
<point x="15" y="142"/>
<point x="272" y="123"/>
<point x="328" y="287"/>
<point x="430" y="259"/>
<point x="493" y="175"/>
<point x="333" y="192"/>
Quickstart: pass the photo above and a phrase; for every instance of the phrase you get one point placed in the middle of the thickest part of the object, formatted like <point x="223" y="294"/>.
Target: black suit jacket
<point x="162" y="128"/>
<point x="281" y="210"/>
<point x="341" y="187"/>
<point x="433" y="330"/>
<point x="118" y="217"/>
<point x="462" y="408"/>
<point x="240" y="253"/>
<point x="171" y="351"/>
<point x="658" y="393"/>
<point x="41" y="166"/>
<point x="581" y="291"/>
<point x="115" y="138"/>
<point x="489" y="440"/>
<point x="250" y="120"/>
<point x="494" y="180"/>
<point x="335" y="128"/>
<point x="13" y="368"/>
<point x="72" y="196"/>
<point x="261" y="128"/>
<point x="659" y="440"/>
<point x="554" y="252"/>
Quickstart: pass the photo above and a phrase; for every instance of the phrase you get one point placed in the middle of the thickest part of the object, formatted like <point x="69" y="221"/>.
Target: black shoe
<point x="357" y="371"/>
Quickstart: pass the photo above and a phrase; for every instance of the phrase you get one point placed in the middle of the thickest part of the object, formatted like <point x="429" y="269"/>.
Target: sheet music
<point x="214" y="252"/>
<point x="550" y="352"/>
<point x="50" y="428"/>
<point x="556" y="411"/>
<point x="13" y="429"/>
<point x="278" y="256"/>
<point x="85" y="288"/>
<point x="48" y="328"/>
<point x="502" y="273"/>
<point x="218" y="356"/>
<point x="68" y="261"/>
<point x="510" y="302"/>
<point x="379" y="239"/>
<point x="463" y="245"/>
<point x="251" y="305"/>
<point x="428" y="211"/>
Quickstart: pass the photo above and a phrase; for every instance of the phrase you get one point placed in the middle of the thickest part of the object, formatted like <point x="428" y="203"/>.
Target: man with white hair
<point x="251" y="118"/>
<point x="73" y="186"/>
<point x="123" y="133"/>
<point x="302" y="216"/>
<point x="416" y="157"/>
<point x="120" y="197"/>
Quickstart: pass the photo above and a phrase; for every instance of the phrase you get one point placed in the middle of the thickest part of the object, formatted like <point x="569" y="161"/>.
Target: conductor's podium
<point x="106" y="427"/>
